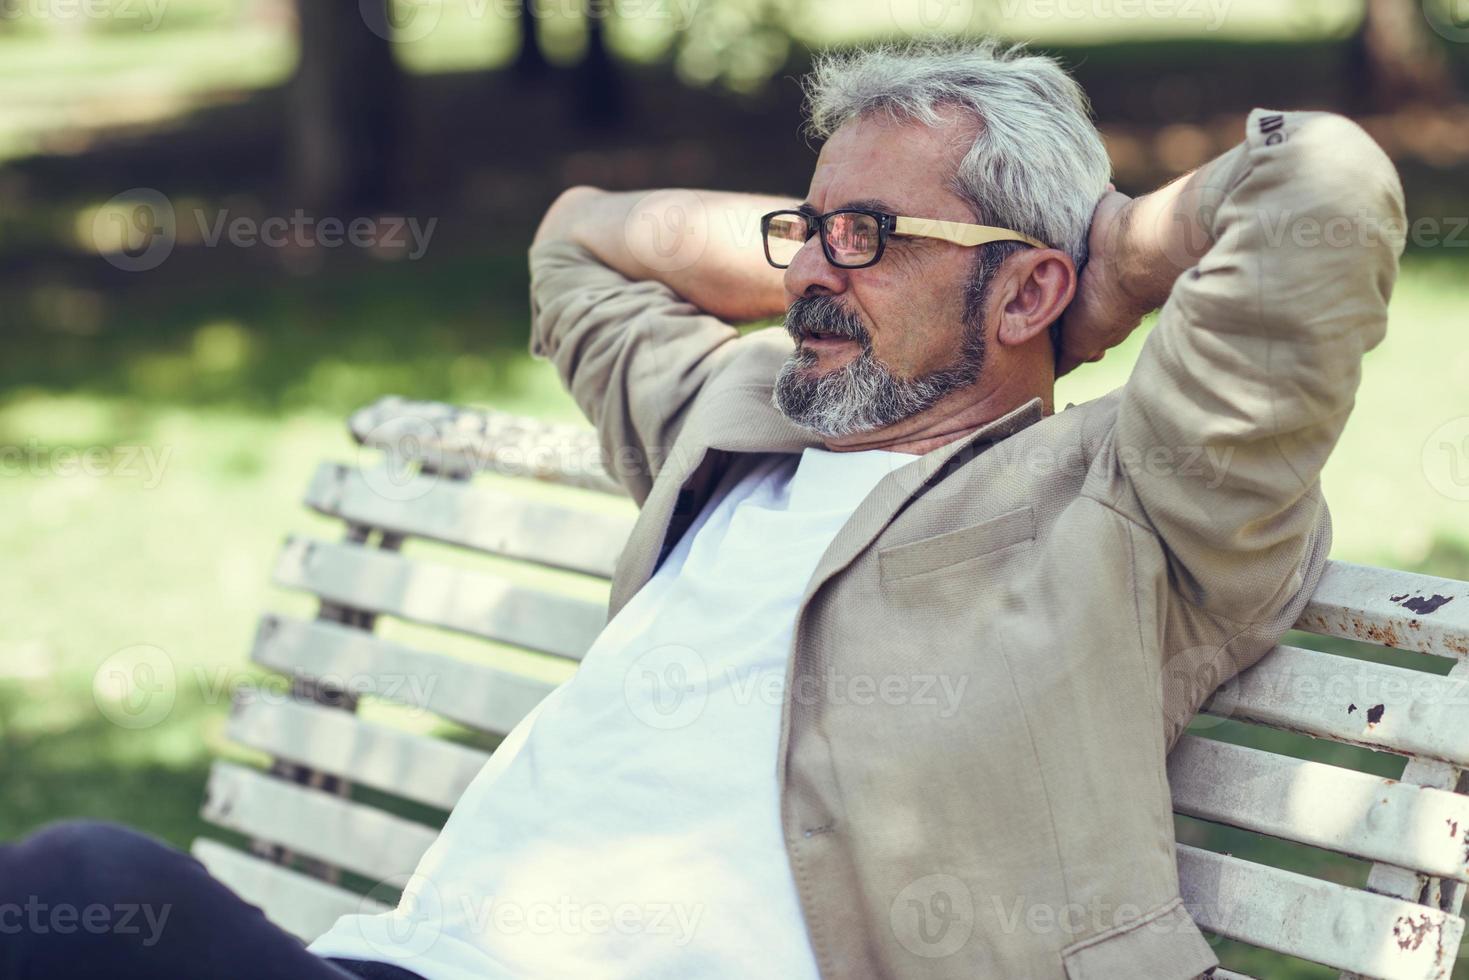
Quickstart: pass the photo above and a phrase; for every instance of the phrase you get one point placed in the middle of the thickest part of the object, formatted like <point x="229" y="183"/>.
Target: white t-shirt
<point x="629" y="826"/>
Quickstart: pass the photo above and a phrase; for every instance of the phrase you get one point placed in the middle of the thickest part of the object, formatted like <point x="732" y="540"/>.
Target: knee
<point x="75" y="857"/>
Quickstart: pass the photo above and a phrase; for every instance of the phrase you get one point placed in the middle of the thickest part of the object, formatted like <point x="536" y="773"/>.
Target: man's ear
<point x="1039" y="286"/>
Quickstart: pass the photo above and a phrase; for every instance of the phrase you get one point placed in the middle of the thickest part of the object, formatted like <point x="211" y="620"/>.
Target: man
<point x="896" y="652"/>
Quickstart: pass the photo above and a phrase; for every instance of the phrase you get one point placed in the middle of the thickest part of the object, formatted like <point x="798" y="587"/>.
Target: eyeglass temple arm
<point x="961" y="233"/>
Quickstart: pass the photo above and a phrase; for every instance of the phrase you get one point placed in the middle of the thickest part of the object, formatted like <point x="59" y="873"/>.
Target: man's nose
<point x="809" y="274"/>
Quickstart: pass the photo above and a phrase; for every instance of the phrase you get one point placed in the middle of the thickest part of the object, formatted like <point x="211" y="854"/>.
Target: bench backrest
<point x="473" y="575"/>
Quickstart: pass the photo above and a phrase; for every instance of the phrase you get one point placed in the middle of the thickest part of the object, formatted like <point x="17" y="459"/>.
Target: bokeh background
<point x="169" y="378"/>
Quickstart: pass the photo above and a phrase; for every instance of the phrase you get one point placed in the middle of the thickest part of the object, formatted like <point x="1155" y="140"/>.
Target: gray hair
<point x="1037" y="165"/>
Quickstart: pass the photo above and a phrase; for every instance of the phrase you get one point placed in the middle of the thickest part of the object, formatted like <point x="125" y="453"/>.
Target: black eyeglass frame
<point x="956" y="232"/>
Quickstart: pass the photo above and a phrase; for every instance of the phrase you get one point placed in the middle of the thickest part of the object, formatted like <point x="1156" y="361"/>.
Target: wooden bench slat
<point x="347" y="835"/>
<point x="1390" y="608"/>
<point x="459" y="513"/>
<point x="1317" y="920"/>
<point x="451" y="437"/>
<point x="482" y="697"/>
<point x="1325" y="806"/>
<point x="1267" y="907"/>
<point x="304" y="906"/>
<point x="1409" y="712"/>
<point x="426" y="770"/>
<point x="467" y="601"/>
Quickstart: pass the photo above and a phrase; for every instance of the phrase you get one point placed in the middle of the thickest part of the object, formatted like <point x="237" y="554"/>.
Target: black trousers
<point x="84" y="899"/>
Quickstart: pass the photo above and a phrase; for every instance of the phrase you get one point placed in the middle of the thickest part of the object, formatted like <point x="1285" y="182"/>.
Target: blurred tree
<point x="343" y="108"/>
<point x="1395" y="58"/>
<point x="530" y="61"/>
<point x="741" y="44"/>
<point x="599" y="95"/>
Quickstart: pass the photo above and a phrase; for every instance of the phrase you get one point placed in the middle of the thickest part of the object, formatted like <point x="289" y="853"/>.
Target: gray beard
<point x="863" y="395"/>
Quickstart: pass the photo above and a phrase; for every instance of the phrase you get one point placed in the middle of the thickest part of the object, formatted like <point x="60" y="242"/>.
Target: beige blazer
<point x="1001" y="645"/>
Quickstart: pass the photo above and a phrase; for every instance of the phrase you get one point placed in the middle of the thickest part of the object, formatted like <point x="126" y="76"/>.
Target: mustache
<point x="823" y="314"/>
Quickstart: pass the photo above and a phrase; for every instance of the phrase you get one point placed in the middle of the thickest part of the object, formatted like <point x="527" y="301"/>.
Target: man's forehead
<point x="887" y="165"/>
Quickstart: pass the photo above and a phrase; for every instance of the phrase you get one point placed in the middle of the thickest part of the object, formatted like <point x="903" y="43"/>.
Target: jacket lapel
<point x="898" y="487"/>
<point x="733" y="418"/>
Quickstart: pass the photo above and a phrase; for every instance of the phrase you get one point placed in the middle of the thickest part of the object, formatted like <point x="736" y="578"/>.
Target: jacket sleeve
<point x="633" y="355"/>
<point x="1242" y="390"/>
<point x="1245" y="384"/>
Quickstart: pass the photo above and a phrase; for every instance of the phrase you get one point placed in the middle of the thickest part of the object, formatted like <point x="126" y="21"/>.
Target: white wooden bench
<point x="536" y="526"/>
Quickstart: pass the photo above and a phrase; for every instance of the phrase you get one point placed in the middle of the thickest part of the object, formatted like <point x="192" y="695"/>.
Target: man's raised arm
<point x="632" y="295"/>
<point x="1280" y="257"/>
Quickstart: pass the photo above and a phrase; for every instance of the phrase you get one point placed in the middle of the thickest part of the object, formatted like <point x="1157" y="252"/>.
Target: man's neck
<point x="951" y="418"/>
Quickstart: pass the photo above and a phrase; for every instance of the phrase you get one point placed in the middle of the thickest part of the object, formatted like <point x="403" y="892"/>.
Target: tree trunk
<point x="530" y="63"/>
<point x="599" y="95"/>
<point x="1396" y="59"/>
<point x="343" y="106"/>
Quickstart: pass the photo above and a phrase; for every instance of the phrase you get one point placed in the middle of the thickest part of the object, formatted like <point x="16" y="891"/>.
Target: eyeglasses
<point x="855" y="238"/>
